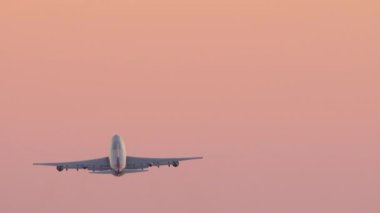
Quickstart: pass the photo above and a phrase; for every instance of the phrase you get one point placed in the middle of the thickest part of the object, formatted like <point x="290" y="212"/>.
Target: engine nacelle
<point x="175" y="163"/>
<point x="59" y="168"/>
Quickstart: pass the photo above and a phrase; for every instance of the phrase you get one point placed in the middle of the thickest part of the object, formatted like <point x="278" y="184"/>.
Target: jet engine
<point x="175" y="163"/>
<point x="59" y="168"/>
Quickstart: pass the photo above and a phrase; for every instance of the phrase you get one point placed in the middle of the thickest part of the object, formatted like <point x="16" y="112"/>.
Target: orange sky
<point x="282" y="99"/>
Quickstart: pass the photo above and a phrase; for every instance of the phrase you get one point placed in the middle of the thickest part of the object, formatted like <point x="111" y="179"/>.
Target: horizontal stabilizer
<point x="124" y="171"/>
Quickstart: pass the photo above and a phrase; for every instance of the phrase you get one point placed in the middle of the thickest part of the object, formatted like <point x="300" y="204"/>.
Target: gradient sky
<point x="281" y="97"/>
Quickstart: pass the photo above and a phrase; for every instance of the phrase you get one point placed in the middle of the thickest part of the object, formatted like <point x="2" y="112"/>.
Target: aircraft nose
<point x="116" y="138"/>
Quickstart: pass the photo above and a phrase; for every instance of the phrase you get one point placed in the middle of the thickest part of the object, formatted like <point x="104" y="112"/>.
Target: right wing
<point x="143" y="162"/>
<point x="99" y="164"/>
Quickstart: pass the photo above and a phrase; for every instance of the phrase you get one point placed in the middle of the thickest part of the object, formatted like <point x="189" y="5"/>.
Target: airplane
<point x="117" y="163"/>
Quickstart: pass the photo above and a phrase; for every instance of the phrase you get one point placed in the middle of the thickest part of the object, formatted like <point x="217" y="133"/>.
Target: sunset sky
<point x="281" y="97"/>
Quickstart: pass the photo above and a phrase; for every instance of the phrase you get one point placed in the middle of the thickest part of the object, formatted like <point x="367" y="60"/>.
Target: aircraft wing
<point x="142" y="162"/>
<point x="99" y="164"/>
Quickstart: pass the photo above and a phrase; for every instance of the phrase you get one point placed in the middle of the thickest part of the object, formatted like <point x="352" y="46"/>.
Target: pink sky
<point x="281" y="97"/>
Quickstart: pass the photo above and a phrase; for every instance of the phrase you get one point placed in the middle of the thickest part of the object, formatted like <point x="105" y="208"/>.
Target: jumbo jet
<point x="117" y="163"/>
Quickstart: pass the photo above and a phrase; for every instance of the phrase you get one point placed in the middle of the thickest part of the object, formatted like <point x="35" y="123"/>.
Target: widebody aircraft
<point x="117" y="163"/>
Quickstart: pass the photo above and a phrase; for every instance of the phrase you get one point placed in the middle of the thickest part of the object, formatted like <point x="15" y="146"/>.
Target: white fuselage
<point x="118" y="157"/>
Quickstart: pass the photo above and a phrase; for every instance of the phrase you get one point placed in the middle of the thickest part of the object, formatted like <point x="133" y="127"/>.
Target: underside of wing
<point x="99" y="164"/>
<point x="142" y="162"/>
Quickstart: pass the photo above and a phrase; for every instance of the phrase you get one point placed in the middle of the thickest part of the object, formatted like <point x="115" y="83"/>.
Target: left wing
<point x="99" y="164"/>
<point x="142" y="162"/>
